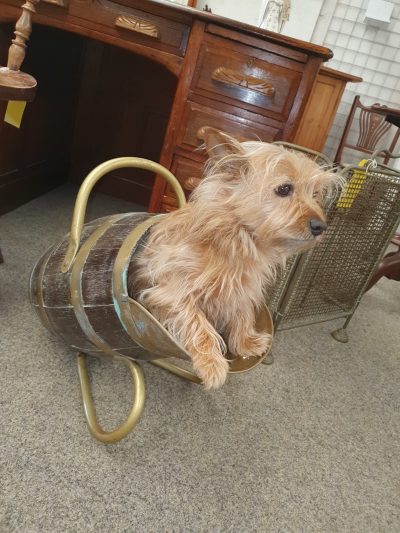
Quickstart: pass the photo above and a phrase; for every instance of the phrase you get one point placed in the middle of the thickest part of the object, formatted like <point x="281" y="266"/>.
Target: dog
<point x="205" y="267"/>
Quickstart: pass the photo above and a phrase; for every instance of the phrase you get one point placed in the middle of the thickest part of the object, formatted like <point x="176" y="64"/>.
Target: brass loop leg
<point x="139" y="393"/>
<point x="177" y="370"/>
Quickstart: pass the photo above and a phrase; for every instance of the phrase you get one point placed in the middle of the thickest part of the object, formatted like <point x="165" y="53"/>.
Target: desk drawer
<point x="134" y="25"/>
<point x="244" y="76"/>
<point x="187" y="171"/>
<point x="196" y="116"/>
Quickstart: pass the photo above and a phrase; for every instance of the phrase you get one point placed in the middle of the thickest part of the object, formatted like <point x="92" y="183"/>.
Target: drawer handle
<point x="200" y="135"/>
<point x="61" y="3"/>
<point x="138" y="25"/>
<point x="236" y="79"/>
<point x="191" y="183"/>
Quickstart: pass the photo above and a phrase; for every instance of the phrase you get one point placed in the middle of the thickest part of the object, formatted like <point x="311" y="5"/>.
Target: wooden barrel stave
<point x="54" y="284"/>
<point x="56" y="296"/>
<point x="96" y="285"/>
<point x="64" y="323"/>
<point x="89" y="322"/>
<point x="51" y="295"/>
<point x="79" y="305"/>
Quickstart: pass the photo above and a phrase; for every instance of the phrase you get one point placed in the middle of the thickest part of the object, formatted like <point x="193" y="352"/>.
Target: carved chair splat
<point x="372" y="127"/>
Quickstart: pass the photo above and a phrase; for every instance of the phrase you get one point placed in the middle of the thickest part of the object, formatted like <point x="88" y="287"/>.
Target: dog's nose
<point x="317" y="227"/>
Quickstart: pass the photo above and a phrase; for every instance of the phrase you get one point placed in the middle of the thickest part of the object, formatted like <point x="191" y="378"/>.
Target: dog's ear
<point x="219" y="144"/>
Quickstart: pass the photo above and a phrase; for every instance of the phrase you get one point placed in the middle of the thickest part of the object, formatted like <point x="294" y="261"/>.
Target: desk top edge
<point x="189" y="15"/>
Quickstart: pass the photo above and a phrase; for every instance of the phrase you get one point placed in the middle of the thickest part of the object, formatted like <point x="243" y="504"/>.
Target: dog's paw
<point x="254" y="345"/>
<point x="212" y="371"/>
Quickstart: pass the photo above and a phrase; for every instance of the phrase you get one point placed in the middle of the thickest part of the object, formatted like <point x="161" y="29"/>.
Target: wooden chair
<point x="373" y="124"/>
<point x="389" y="267"/>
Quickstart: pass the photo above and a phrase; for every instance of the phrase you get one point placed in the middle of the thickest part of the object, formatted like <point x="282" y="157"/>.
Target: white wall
<point x="363" y="50"/>
<point x="247" y="11"/>
<point x="303" y="18"/>
<point x="304" y="14"/>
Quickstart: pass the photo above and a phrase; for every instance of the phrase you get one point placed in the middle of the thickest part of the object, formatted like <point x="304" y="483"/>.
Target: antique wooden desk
<point x="250" y="82"/>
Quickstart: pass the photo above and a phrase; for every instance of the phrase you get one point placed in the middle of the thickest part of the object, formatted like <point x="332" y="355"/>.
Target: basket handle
<point x="78" y="217"/>
<point x="384" y="153"/>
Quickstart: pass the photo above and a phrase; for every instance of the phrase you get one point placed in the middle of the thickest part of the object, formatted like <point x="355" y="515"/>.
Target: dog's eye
<point x="284" y="190"/>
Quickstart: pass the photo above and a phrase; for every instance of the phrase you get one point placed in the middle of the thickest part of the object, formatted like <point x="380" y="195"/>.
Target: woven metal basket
<point x="328" y="282"/>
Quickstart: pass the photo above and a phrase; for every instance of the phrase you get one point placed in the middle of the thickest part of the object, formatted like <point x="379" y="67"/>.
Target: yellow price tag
<point x="14" y="111"/>
<point x="353" y="187"/>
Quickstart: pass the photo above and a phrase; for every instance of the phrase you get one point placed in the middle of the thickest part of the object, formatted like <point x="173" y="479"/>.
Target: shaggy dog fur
<point x="205" y="267"/>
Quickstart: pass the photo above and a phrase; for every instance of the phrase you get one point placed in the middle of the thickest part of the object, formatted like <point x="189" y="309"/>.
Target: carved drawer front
<point x="197" y="116"/>
<point x="253" y="79"/>
<point x="189" y="174"/>
<point x="134" y="25"/>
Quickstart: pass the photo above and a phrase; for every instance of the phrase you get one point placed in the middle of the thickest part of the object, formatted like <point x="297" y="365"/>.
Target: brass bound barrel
<point x="88" y="306"/>
<point x="79" y="291"/>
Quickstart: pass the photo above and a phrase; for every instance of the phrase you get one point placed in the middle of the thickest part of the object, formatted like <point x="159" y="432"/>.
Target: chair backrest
<point x="372" y="127"/>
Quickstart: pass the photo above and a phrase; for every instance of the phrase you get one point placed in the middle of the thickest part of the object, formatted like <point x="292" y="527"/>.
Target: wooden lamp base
<point x="16" y="85"/>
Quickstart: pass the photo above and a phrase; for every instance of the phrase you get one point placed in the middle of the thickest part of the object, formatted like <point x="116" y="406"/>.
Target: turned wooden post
<point x="14" y="84"/>
<point x="23" y="30"/>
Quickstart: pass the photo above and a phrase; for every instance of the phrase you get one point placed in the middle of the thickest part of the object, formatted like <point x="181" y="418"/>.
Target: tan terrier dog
<point x="205" y="267"/>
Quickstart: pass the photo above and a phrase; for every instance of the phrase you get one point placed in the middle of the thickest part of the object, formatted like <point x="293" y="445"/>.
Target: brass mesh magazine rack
<point x="329" y="281"/>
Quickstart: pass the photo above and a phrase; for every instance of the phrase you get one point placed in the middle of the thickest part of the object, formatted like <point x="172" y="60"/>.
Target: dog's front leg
<point x="204" y="345"/>
<point x="244" y="340"/>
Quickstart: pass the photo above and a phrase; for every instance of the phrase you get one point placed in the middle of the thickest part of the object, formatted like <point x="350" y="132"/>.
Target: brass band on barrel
<point x="76" y="286"/>
<point x="40" y="305"/>
<point x="120" y="291"/>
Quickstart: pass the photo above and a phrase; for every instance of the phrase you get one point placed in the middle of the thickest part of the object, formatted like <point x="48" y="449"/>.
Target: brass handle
<point x="237" y="79"/>
<point x="138" y="25"/>
<point x="385" y="153"/>
<point x="200" y="133"/>
<point x="90" y="181"/>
